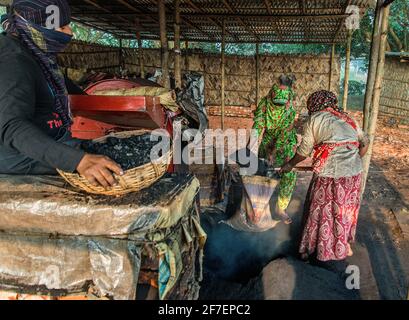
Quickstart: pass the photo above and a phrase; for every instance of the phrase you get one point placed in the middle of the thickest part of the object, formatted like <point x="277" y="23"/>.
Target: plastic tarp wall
<point x="56" y="239"/>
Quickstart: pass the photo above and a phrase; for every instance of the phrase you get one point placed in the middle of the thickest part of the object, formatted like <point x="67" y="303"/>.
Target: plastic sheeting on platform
<point x="61" y="241"/>
<point x="191" y="99"/>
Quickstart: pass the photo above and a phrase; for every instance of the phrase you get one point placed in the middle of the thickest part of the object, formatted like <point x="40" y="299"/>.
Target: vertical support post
<point x="223" y="73"/>
<point x="187" y="56"/>
<point x="121" y="56"/>
<point x="164" y="43"/>
<point x="373" y="61"/>
<point x="257" y="74"/>
<point x="140" y="54"/>
<point x="347" y="69"/>
<point x="377" y="90"/>
<point x="331" y="67"/>
<point x="178" y="53"/>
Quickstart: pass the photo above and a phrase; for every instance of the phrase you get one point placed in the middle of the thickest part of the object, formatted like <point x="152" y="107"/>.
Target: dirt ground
<point x="391" y="153"/>
<point x="381" y="249"/>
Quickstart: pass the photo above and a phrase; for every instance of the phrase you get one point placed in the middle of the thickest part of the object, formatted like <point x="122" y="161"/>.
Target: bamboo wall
<point x="395" y="90"/>
<point x="92" y="57"/>
<point x="312" y="71"/>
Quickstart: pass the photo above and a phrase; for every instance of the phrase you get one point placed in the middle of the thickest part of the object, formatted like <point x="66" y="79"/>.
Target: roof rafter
<point x="247" y="21"/>
<point x="194" y="6"/>
<point x="245" y="25"/>
<point x="347" y="4"/>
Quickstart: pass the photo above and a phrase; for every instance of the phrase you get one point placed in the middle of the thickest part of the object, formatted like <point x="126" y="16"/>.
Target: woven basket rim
<point x="159" y="167"/>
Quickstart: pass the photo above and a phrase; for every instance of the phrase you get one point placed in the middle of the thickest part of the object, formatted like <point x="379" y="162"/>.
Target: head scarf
<point x="282" y="95"/>
<point x="34" y="23"/>
<point x="322" y="100"/>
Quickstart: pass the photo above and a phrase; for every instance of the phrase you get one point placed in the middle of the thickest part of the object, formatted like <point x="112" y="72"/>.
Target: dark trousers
<point x="13" y="162"/>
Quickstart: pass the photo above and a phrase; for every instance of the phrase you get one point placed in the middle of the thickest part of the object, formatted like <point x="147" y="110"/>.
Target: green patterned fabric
<point x="274" y="119"/>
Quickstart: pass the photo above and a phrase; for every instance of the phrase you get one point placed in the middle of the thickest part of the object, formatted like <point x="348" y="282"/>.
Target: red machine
<point x="96" y="116"/>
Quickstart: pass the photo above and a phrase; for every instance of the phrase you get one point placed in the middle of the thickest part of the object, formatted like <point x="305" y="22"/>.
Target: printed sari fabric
<point x="274" y="119"/>
<point x="331" y="217"/>
<point x="323" y="151"/>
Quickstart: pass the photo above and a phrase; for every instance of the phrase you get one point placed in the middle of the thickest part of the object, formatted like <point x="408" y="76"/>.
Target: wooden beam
<point x="373" y="61"/>
<point x="193" y="26"/>
<point x="121" y="56"/>
<point x="331" y="67"/>
<point x="126" y="4"/>
<point x="302" y="6"/>
<point x="307" y="25"/>
<point x="223" y="74"/>
<point x="347" y="69"/>
<point x="198" y="9"/>
<point x="187" y="56"/>
<point x="268" y="6"/>
<point x="95" y="27"/>
<point x="257" y="74"/>
<point x="96" y="5"/>
<point x="342" y="23"/>
<point x="245" y="25"/>
<point x="204" y="15"/>
<point x="178" y="53"/>
<point x="377" y="90"/>
<point x="267" y="3"/>
<point x="164" y="43"/>
<point x="140" y="54"/>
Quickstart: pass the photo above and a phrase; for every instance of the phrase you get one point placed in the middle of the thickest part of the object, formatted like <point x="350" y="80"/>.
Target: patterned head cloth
<point x="39" y="12"/>
<point x="322" y="100"/>
<point x="34" y="23"/>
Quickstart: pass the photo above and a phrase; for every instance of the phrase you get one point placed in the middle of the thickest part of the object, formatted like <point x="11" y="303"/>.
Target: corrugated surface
<point x="319" y="21"/>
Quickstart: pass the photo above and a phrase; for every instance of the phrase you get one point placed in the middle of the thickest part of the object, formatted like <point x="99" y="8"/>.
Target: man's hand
<point x="98" y="170"/>
<point x="287" y="168"/>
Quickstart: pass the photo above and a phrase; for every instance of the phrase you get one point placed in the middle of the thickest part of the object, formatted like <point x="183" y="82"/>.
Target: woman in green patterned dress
<point x="274" y="124"/>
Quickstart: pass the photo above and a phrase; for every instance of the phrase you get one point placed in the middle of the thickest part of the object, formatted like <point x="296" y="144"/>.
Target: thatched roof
<point x="283" y="21"/>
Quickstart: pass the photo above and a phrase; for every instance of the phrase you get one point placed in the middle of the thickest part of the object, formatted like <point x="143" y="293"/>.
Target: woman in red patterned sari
<point x="337" y="144"/>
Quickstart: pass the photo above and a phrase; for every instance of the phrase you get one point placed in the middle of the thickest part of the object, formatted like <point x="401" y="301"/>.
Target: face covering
<point x="55" y="41"/>
<point x="44" y="45"/>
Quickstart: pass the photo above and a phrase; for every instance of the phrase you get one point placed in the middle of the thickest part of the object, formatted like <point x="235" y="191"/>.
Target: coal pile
<point x="129" y="153"/>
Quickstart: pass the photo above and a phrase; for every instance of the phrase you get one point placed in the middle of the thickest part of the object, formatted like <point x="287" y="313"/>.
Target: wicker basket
<point x="133" y="180"/>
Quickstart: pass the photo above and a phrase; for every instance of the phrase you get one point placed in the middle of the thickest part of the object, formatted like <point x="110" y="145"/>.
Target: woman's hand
<point x="287" y="168"/>
<point x="98" y="170"/>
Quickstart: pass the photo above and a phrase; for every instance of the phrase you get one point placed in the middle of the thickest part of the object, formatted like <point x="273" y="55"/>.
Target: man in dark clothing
<point x="35" y="117"/>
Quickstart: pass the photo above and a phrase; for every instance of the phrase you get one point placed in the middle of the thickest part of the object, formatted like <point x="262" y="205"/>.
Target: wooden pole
<point x="331" y="67"/>
<point x="140" y="54"/>
<point x="164" y="43"/>
<point x="347" y="69"/>
<point x="223" y="75"/>
<point x="373" y="62"/>
<point x="121" y="56"/>
<point x="257" y="74"/>
<point x="178" y="53"/>
<point x="377" y="91"/>
<point x="187" y="56"/>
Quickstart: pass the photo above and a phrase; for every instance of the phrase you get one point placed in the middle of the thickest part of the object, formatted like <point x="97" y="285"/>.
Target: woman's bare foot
<point x="283" y="215"/>
<point x="350" y="252"/>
